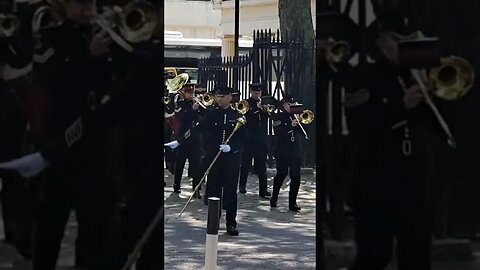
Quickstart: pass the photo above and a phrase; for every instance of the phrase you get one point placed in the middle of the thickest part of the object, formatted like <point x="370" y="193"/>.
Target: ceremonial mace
<point x="240" y="122"/>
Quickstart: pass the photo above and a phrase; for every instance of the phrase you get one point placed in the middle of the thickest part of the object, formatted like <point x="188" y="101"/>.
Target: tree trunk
<point x="296" y="22"/>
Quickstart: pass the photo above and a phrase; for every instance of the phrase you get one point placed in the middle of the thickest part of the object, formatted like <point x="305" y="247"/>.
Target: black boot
<point x="232" y="230"/>
<point x="294" y="207"/>
<point x="265" y="194"/>
<point x="276" y="191"/>
<point x="273" y="201"/>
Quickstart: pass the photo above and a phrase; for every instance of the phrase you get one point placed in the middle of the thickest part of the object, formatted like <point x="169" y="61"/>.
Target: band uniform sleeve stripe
<point x="43" y="58"/>
<point x="9" y="73"/>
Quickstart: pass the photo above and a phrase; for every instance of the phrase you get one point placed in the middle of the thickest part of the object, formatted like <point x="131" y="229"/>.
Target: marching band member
<point x="187" y="113"/>
<point x="257" y="146"/>
<point x="217" y="125"/>
<point x="390" y="189"/>
<point x="288" y="153"/>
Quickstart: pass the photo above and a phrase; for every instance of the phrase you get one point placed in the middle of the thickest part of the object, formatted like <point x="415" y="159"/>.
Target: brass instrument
<point x="270" y="108"/>
<point x="336" y="51"/>
<point x="8" y="25"/>
<point x="136" y="22"/>
<point x="453" y="78"/>
<point x="268" y="104"/>
<point x="306" y="117"/>
<point x="175" y="85"/>
<point x="205" y="100"/>
<point x="242" y="106"/>
<point x="46" y="17"/>
<point x="167" y="100"/>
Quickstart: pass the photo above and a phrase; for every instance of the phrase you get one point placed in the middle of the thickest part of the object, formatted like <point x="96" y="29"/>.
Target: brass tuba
<point x="453" y="78"/>
<point x="242" y="106"/>
<point x="175" y="85"/>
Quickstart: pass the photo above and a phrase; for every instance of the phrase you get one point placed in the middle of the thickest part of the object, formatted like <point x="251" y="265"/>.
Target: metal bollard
<point x="212" y="233"/>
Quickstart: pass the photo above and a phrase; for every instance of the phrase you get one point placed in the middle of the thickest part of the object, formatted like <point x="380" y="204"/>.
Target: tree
<point x="296" y="22"/>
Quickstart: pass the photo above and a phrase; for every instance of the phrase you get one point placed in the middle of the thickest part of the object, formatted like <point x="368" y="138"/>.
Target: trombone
<point x="306" y="117"/>
<point x="136" y="22"/>
<point x="450" y="80"/>
<point x="205" y="100"/>
<point x="8" y="25"/>
<point x="242" y="106"/>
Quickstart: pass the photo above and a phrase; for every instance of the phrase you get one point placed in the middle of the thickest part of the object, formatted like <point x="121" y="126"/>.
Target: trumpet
<point x="242" y="106"/>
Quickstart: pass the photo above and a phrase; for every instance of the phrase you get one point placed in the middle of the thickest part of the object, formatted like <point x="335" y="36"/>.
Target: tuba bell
<point x="453" y="78"/>
<point x="242" y="106"/>
<point x="175" y="85"/>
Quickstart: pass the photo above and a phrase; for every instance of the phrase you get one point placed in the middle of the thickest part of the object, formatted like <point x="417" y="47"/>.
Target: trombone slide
<point x="300" y="124"/>
<point x="428" y="100"/>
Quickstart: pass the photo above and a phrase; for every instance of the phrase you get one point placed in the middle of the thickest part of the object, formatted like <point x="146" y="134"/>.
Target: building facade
<point x="215" y="19"/>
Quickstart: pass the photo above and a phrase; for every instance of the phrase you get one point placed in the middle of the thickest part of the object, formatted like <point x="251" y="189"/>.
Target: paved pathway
<point x="269" y="238"/>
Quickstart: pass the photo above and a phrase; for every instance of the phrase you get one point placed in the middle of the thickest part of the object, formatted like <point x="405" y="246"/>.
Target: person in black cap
<point x="256" y="146"/>
<point x="65" y="66"/>
<point x="217" y="126"/>
<point x="288" y="153"/>
<point x="390" y="189"/>
<point x="188" y="112"/>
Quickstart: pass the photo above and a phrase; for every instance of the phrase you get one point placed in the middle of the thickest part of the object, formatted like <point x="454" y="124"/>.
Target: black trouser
<point x="18" y="200"/>
<point x="146" y="199"/>
<point x="223" y="177"/>
<point x="287" y="165"/>
<point x="192" y="153"/>
<point x="378" y="223"/>
<point x="11" y="189"/>
<point x="66" y="189"/>
<point x="257" y="151"/>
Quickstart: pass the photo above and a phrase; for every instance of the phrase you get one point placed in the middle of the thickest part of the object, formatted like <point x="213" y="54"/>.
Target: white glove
<point x="27" y="166"/>
<point x="225" y="148"/>
<point x="172" y="145"/>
